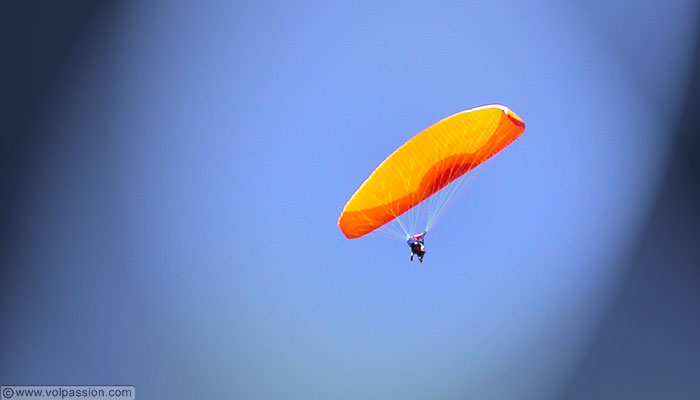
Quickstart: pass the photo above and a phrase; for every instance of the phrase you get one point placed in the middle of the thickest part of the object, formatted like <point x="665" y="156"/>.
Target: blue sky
<point x="186" y="222"/>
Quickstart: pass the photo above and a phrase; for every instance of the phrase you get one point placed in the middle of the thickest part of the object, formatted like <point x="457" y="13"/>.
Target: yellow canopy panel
<point x="427" y="163"/>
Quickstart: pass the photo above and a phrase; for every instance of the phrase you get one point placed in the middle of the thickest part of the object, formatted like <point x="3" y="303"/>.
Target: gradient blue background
<point x="175" y="226"/>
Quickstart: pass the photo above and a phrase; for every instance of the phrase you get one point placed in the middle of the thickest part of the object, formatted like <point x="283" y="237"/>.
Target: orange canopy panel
<point x="427" y="163"/>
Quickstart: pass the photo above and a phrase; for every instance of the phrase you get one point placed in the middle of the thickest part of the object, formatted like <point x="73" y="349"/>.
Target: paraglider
<point x="431" y="163"/>
<point x="417" y="244"/>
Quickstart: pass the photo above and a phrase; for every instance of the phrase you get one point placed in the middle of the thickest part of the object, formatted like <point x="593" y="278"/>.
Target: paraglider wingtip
<point x="515" y="119"/>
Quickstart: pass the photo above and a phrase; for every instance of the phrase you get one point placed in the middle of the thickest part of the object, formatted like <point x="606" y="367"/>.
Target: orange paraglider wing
<point x="427" y="163"/>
